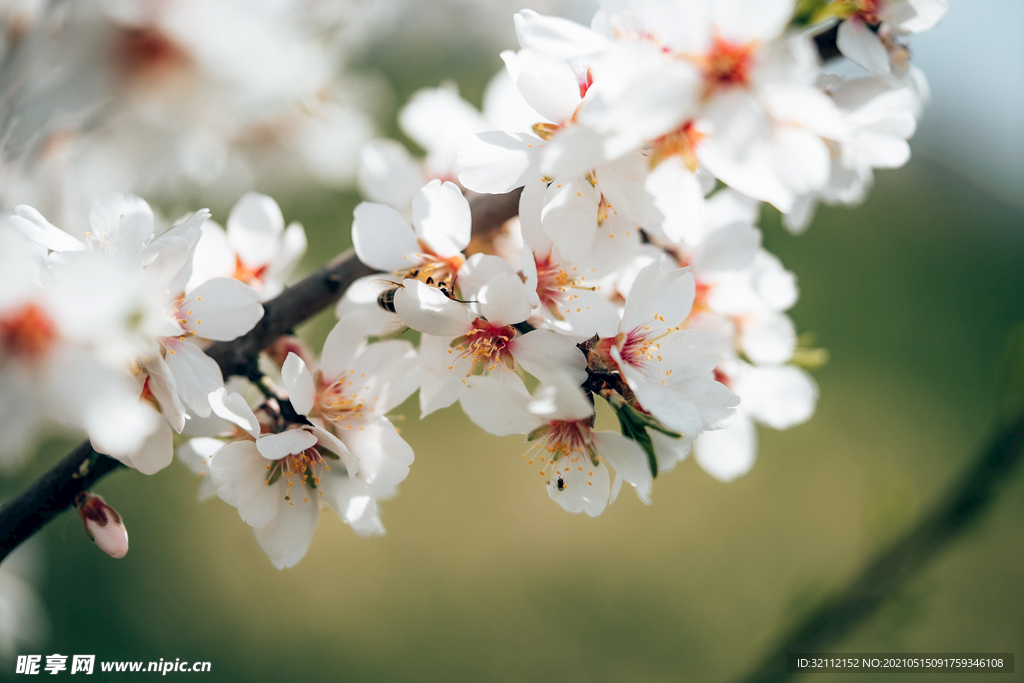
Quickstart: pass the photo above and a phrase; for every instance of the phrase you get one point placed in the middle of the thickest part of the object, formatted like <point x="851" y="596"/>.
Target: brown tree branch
<point x="55" y="491"/>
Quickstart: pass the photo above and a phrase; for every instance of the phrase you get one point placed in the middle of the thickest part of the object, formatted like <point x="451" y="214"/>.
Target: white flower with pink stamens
<point x="868" y="36"/>
<point x="430" y="249"/>
<point x="567" y="450"/>
<point x="459" y="341"/>
<point x="256" y="248"/>
<point x="667" y="367"/>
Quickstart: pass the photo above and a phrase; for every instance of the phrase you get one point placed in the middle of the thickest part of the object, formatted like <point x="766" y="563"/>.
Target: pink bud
<point x="102" y="524"/>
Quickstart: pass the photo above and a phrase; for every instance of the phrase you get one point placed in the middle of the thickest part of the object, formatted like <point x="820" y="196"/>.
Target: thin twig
<point x="969" y="495"/>
<point x="55" y="491"/>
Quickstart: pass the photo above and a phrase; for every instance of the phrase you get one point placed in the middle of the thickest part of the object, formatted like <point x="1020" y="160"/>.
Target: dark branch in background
<point x="965" y="501"/>
<point x="55" y="491"/>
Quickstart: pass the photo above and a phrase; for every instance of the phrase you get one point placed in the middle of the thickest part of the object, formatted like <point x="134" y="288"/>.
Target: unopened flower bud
<point x="102" y="523"/>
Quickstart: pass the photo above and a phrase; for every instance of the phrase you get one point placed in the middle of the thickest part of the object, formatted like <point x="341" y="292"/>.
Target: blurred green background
<point x="482" y="578"/>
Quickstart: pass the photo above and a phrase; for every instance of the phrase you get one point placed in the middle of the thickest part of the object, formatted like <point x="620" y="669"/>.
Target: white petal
<point x="744" y="21"/>
<point x="387" y="173"/>
<point x="621" y="182"/>
<point x="233" y="408"/>
<point x="126" y="219"/>
<point x="335" y="445"/>
<point x="862" y="46"/>
<point x="780" y="397"/>
<point x="277" y="446"/>
<point x="769" y="338"/>
<point x="394" y="373"/>
<point x="570" y="217"/>
<point x="661" y="297"/>
<point x="165" y="389"/>
<point x="531" y="204"/>
<point x="679" y="196"/>
<point x="31" y="223"/>
<point x="628" y="460"/>
<point x="498" y="405"/>
<point x="928" y="13"/>
<point x="382" y="238"/>
<point x="547" y="85"/>
<point x="726" y="249"/>
<point x="384" y="456"/>
<point x="351" y="499"/>
<point x="441" y="217"/>
<point x="426" y="309"/>
<point x="240" y="475"/>
<point x="548" y="355"/>
<point x="253" y="227"/>
<point x="286" y="539"/>
<point x="438" y="120"/>
<point x="223" y="309"/>
<point x="669" y="450"/>
<point x="213" y="256"/>
<point x="560" y="398"/>
<point x="556" y="37"/>
<point x="196" y="375"/>
<point x="299" y="383"/>
<point x="478" y="270"/>
<point x="121" y="428"/>
<point x="343" y="343"/>
<point x="497" y="162"/>
<point x="156" y="452"/>
<point x="504" y="300"/>
<point x="727" y="453"/>
<point x="290" y="251"/>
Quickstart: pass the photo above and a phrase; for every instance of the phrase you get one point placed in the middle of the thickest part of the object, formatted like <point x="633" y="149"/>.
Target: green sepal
<point x="275" y="475"/>
<point x="634" y="425"/>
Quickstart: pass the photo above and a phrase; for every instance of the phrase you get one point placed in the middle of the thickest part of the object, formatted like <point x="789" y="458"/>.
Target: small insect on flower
<point x="561" y="484"/>
<point x="386" y="299"/>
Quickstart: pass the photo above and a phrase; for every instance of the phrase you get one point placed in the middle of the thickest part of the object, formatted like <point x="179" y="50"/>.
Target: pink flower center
<point x="250" y="276"/>
<point x="725" y="65"/>
<point x="145" y="53"/>
<point x="486" y="346"/>
<point x="566" y="452"/>
<point x="681" y="142"/>
<point x="868" y="11"/>
<point x="306" y="468"/>
<point x="435" y="271"/>
<point x="27" y="332"/>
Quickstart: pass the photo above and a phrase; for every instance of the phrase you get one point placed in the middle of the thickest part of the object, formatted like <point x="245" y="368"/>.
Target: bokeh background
<point x="482" y="578"/>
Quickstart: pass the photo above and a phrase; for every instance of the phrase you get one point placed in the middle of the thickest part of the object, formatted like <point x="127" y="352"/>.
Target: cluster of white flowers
<point x="170" y="98"/>
<point x="643" y="147"/>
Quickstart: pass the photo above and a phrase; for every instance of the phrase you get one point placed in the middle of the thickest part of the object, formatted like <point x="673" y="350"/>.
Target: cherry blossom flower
<point x="569" y="453"/>
<point x="556" y="165"/>
<point x="668" y="368"/>
<point x="777" y="396"/>
<point x="152" y="321"/>
<point x="430" y="249"/>
<point x="256" y="249"/>
<point x="868" y="36"/>
<point x="270" y="464"/>
<point x="53" y="362"/>
<point x="439" y="121"/>
<point x="458" y="342"/>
